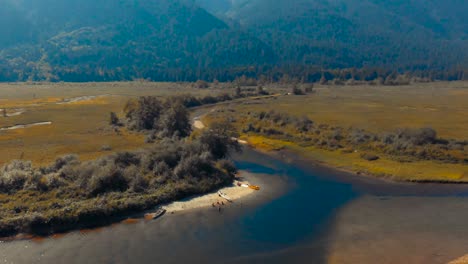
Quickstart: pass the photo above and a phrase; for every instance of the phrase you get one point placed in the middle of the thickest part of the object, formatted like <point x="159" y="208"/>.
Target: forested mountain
<point x="205" y="39"/>
<point x="114" y="40"/>
<point x="355" y="33"/>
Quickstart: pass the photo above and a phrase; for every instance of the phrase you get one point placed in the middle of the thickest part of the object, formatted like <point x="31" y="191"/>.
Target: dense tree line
<point x="254" y="74"/>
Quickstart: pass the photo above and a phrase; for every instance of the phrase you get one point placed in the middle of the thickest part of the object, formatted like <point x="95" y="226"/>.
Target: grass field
<point x="377" y="109"/>
<point x="115" y="174"/>
<point x="82" y="127"/>
<point x="443" y="106"/>
<point x="79" y="127"/>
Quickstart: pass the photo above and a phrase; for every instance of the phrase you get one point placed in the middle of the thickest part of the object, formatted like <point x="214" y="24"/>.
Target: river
<point x="303" y="214"/>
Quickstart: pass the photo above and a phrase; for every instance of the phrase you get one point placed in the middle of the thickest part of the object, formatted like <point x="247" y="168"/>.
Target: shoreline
<point x="204" y="201"/>
<point x="361" y="174"/>
<point x="194" y="202"/>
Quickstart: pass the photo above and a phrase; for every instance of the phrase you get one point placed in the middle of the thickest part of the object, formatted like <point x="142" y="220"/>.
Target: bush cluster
<point x="171" y="160"/>
<point x="275" y="118"/>
<point x="417" y="143"/>
<point x="167" y="118"/>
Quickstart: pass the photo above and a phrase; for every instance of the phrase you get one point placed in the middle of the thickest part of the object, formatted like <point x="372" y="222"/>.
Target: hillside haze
<point x="193" y="39"/>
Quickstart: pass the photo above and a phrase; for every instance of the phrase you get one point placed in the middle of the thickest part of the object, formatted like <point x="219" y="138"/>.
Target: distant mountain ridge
<point x="112" y="40"/>
<point x="182" y="40"/>
<point x="394" y="33"/>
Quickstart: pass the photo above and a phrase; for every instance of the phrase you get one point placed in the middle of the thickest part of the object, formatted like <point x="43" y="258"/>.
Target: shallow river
<point x="303" y="214"/>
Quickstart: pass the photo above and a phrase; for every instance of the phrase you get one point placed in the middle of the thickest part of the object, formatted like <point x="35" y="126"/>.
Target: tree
<point x="323" y="80"/>
<point x="220" y="139"/>
<point x="238" y="91"/>
<point x="296" y="90"/>
<point x="114" y="120"/>
<point x="200" y="84"/>
<point x="261" y="91"/>
<point x="143" y="114"/>
<point x="174" y="121"/>
<point x="309" y="88"/>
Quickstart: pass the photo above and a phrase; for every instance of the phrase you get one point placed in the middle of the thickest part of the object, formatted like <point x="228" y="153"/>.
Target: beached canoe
<point x="160" y="212"/>
<point x="223" y="195"/>
<point x="254" y="187"/>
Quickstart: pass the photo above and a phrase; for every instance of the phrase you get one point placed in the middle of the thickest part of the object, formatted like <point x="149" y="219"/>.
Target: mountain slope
<point x="107" y="40"/>
<point x="347" y="33"/>
<point x="176" y="40"/>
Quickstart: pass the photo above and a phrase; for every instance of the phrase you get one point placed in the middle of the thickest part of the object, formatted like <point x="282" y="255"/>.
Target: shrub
<point x="228" y="166"/>
<point x="151" y="137"/>
<point x="244" y="81"/>
<point x="419" y="136"/>
<point x="304" y="124"/>
<point x="14" y="175"/>
<point x="272" y="131"/>
<point x="220" y="139"/>
<point x="193" y="166"/>
<point x="261" y="91"/>
<point x="125" y="159"/>
<point x="162" y="169"/>
<point x="65" y="161"/>
<point x="136" y="181"/>
<point x="308" y="88"/>
<point x="54" y="181"/>
<point x="106" y="179"/>
<point x="296" y="90"/>
<point x="200" y="84"/>
<point x="106" y="148"/>
<point x="113" y="119"/>
<point x="208" y="100"/>
<point x="369" y="157"/>
<point x="359" y="136"/>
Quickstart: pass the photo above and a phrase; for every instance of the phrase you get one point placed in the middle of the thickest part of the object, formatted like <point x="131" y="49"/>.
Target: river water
<point x="303" y="214"/>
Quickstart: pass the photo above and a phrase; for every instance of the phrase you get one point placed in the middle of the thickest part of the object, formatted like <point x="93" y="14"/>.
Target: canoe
<point x="160" y="212"/>
<point x="254" y="187"/>
<point x="223" y="195"/>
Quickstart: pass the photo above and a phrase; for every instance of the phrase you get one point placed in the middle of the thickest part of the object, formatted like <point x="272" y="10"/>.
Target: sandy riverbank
<point x="462" y="260"/>
<point x="198" y="124"/>
<point x="234" y="192"/>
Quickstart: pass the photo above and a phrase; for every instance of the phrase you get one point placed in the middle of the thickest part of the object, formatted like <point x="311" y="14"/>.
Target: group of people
<point x="218" y="205"/>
